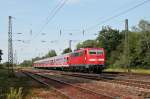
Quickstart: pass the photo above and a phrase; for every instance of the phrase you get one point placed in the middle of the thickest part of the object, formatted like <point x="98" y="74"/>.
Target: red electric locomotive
<point x="90" y="59"/>
<point x="85" y="59"/>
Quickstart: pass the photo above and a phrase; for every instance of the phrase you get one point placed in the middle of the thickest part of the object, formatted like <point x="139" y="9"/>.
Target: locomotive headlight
<point x="100" y="59"/>
<point x="92" y="59"/>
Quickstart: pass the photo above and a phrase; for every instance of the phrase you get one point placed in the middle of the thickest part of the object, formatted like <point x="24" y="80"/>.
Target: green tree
<point x="109" y="39"/>
<point x="35" y="59"/>
<point x="144" y="25"/>
<point x="51" y="53"/>
<point x="87" y="44"/>
<point x="5" y="64"/>
<point x="1" y="55"/>
<point x="143" y="48"/>
<point x="26" y="63"/>
<point x="1" y="66"/>
<point x="137" y="48"/>
<point x="129" y="54"/>
<point x="67" y="50"/>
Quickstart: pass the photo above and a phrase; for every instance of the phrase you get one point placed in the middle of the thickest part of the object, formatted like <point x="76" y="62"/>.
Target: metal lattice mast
<point x="15" y="61"/>
<point x="127" y="45"/>
<point x="70" y="41"/>
<point x="10" y="45"/>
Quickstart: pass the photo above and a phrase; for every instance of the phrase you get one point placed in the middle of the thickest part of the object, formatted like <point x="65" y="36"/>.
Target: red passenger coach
<point x="53" y="62"/>
<point x="85" y="59"/>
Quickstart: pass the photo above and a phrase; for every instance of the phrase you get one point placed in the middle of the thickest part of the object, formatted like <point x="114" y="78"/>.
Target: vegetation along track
<point x="69" y="90"/>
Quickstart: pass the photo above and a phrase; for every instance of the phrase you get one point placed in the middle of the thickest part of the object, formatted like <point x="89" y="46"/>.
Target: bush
<point x="1" y="66"/>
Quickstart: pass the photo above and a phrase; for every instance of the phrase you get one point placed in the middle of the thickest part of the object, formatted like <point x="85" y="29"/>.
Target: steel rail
<point x="29" y="74"/>
<point x="135" y="83"/>
<point x="81" y="88"/>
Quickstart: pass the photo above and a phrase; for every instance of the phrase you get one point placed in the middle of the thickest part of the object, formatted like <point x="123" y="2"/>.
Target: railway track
<point x="109" y="74"/>
<point x="128" y="82"/>
<point x="67" y="89"/>
<point x="41" y="81"/>
<point x="98" y="87"/>
<point x="135" y="86"/>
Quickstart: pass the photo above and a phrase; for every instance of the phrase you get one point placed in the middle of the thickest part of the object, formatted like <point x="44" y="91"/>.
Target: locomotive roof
<point x="85" y="49"/>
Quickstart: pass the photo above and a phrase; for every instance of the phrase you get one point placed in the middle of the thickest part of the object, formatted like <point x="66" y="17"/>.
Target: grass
<point x="22" y="87"/>
<point x="14" y="93"/>
<point x="140" y="71"/>
<point x="13" y="87"/>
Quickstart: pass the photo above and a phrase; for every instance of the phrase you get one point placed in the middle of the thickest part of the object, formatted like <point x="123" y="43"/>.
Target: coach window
<point x="66" y="59"/>
<point x="52" y="61"/>
<point x="75" y="54"/>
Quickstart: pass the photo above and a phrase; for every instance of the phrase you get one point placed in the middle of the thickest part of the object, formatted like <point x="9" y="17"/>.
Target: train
<point x="84" y="59"/>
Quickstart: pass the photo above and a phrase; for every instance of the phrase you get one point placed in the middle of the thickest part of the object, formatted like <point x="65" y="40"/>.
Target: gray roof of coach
<point x="50" y="58"/>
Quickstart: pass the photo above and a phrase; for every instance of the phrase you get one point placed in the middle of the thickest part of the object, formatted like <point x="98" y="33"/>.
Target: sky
<point x="40" y="33"/>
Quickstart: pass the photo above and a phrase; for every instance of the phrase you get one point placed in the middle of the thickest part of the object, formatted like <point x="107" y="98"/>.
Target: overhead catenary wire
<point x="110" y="18"/>
<point x="117" y="15"/>
<point x="83" y="31"/>
<point x="53" y="13"/>
<point x="104" y="21"/>
<point x="63" y="2"/>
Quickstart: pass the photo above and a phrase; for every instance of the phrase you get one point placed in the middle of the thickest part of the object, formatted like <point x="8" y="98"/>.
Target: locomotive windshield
<point x="99" y="51"/>
<point x="93" y="52"/>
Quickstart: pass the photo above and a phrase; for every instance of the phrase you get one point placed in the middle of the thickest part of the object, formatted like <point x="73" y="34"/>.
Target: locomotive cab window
<point x="75" y="54"/>
<point x="99" y="51"/>
<point x="81" y="53"/>
<point x="92" y="52"/>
